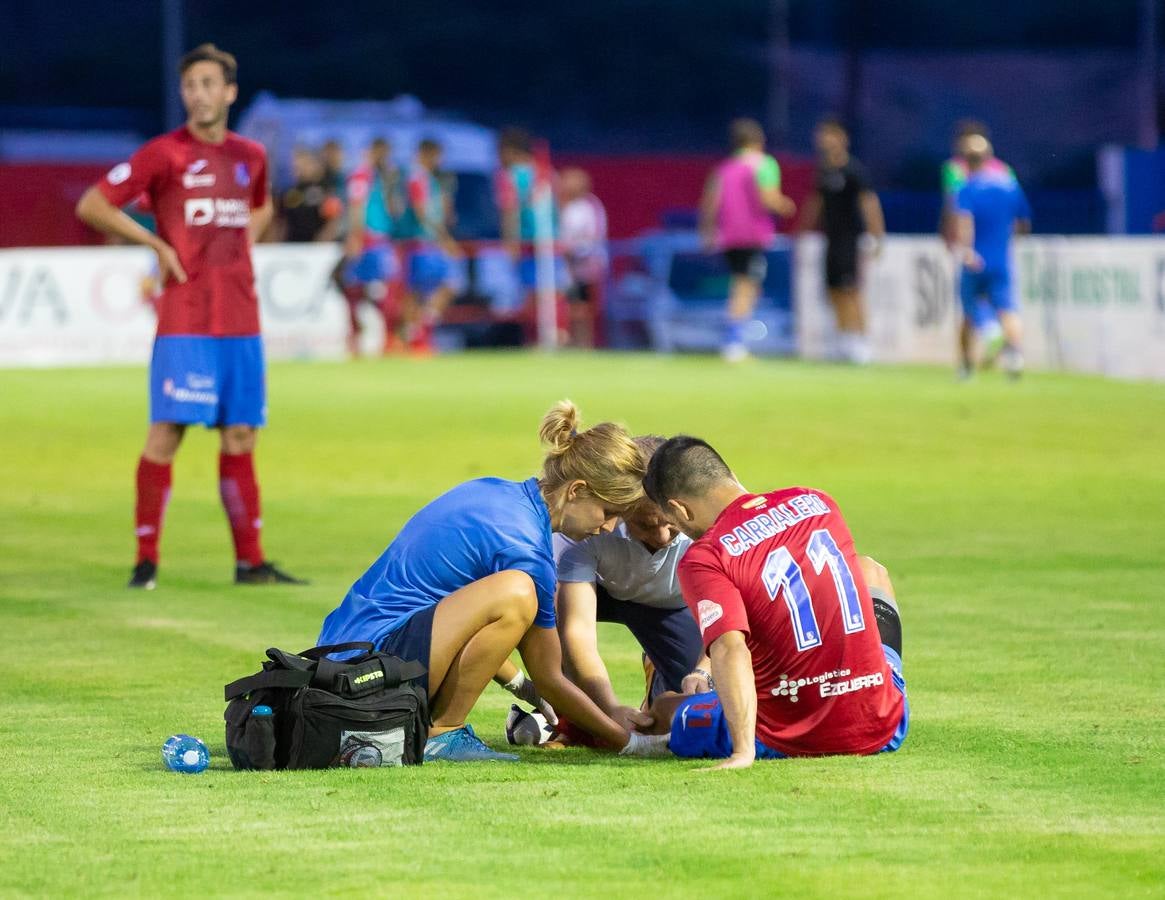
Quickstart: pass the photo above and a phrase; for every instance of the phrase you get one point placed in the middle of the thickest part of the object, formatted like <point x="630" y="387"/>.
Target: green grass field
<point x="1024" y="526"/>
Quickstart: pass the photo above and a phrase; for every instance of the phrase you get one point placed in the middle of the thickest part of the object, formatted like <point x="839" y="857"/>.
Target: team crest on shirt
<point x="242" y="175"/>
<point x="708" y="612"/>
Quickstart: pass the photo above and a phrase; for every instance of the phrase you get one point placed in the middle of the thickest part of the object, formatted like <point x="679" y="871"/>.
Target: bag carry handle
<point x="275" y="678"/>
<point x="320" y="652"/>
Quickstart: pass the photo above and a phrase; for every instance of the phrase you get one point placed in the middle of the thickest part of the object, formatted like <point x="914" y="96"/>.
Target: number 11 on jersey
<point x="782" y="575"/>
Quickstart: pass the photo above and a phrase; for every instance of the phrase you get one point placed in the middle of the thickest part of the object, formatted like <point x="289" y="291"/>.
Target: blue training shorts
<point x="412" y="638"/>
<point x="430" y="267"/>
<point x="985" y="294"/>
<point x="700" y="731"/>
<point x="211" y="381"/>
<point x="376" y="264"/>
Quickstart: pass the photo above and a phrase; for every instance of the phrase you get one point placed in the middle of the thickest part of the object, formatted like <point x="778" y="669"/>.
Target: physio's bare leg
<point x="475" y="630"/>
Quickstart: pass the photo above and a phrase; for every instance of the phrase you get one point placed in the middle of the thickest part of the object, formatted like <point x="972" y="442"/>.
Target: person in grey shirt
<point x="628" y="576"/>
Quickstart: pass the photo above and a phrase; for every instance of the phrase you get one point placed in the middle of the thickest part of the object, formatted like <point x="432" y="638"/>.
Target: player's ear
<point x="573" y="489"/>
<point x="232" y="93"/>
<point x="677" y="509"/>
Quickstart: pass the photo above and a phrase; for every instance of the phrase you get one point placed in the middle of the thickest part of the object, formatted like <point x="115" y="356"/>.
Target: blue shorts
<point x="992" y="287"/>
<point x="413" y="637"/>
<point x="211" y="381"/>
<point x="700" y="731"/>
<point x="377" y="263"/>
<point x="430" y="267"/>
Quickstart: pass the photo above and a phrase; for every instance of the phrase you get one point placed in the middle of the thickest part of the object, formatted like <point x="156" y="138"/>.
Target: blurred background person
<point x="335" y="172"/>
<point x="305" y="215"/>
<point x="955" y="171"/>
<point x="736" y="218"/>
<point x="991" y="207"/>
<point x="583" y="235"/>
<point x="436" y="267"/>
<point x="844" y="207"/>
<point x="370" y="263"/>
<point x="514" y="189"/>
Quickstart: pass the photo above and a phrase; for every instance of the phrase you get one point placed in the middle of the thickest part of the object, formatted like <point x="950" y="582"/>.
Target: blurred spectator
<point x="514" y="188"/>
<point x="845" y="207"/>
<point x="436" y="268"/>
<point x="332" y="157"/>
<point x="583" y="235"/>
<point x="369" y="264"/>
<point x="954" y="173"/>
<point x="306" y="213"/>
<point x="740" y="199"/>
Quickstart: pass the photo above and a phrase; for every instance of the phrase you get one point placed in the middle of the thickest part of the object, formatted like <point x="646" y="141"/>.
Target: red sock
<point x="240" y="498"/>
<point x="153" y="493"/>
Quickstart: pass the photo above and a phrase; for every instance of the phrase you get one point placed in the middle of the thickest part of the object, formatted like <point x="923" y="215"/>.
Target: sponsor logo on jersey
<point x="242" y="175"/>
<point x="772" y="522"/>
<point x="119" y="173"/>
<point x="708" y="612"/>
<point x="222" y="212"/>
<point x="194" y="177"/>
<point x="829" y="684"/>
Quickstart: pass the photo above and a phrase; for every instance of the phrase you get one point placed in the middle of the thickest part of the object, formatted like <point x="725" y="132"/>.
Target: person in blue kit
<point x="471" y="577"/>
<point x="991" y="207"/>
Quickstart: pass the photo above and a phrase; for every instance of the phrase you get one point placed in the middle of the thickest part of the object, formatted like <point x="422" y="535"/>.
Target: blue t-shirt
<point x="994" y="200"/>
<point x="478" y="528"/>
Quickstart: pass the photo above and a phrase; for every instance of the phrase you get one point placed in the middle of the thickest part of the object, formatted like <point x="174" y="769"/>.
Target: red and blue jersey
<point x="781" y="568"/>
<point x="202" y="195"/>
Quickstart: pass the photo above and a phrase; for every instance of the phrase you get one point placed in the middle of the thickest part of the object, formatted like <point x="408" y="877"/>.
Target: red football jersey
<point x="781" y="568"/>
<point x="202" y="195"/>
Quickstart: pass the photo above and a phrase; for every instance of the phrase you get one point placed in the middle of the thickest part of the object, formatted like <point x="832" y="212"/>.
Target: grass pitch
<point x="1024" y="526"/>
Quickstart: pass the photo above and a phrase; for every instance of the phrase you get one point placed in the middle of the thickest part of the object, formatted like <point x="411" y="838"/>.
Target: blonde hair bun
<point x="559" y="427"/>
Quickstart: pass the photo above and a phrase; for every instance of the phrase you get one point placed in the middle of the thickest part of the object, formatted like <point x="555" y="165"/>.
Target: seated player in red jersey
<point x="804" y="636"/>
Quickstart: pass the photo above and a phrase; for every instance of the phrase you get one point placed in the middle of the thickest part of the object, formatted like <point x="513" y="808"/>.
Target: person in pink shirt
<point x="736" y="218"/>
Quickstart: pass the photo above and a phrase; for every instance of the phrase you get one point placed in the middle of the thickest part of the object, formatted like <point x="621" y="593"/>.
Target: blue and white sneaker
<point x="462" y="745"/>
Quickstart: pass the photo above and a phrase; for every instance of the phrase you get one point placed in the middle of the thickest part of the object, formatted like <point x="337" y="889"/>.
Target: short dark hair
<point x="211" y="53"/>
<point x="379" y="143"/>
<point x="516" y="139"/>
<point x="429" y="145"/>
<point x="832" y="123"/>
<point x="743" y="132"/>
<point x="683" y="466"/>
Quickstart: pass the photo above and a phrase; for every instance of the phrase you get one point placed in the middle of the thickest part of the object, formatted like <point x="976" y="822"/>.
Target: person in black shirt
<point x="306" y="211"/>
<point x="845" y="207"/>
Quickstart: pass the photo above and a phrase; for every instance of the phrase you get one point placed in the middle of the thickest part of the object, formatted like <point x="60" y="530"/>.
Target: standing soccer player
<point x="804" y="636"/>
<point x="736" y="217"/>
<point x="991" y="207"/>
<point x="208" y="189"/>
<point x="845" y="207"/>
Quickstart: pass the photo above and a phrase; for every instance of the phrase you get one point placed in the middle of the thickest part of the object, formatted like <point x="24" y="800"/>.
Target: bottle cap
<point x="262" y="710"/>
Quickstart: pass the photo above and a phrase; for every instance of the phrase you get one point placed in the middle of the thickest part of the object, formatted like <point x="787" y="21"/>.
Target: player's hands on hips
<point x="168" y="264"/>
<point x="972" y="261"/>
<point x="735" y="761"/>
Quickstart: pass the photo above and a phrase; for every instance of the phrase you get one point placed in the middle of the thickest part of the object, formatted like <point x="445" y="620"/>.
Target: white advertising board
<point x="1089" y="304"/>
<point x="86" y="306"/>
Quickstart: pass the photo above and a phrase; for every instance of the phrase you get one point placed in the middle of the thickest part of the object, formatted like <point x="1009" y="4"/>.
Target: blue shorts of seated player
<point x="430" y="268"/>
<point x="703" y="733"/>
<point x="211" y="381"/>
<point x="378" y="263"/>
<point x="985" y="295"/>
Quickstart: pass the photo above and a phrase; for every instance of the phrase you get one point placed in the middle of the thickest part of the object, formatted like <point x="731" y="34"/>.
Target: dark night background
<point x="1055" y="80"/>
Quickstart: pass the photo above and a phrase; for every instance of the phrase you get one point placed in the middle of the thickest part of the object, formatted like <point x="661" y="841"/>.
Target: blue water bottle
<point x="186" y="754"/>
